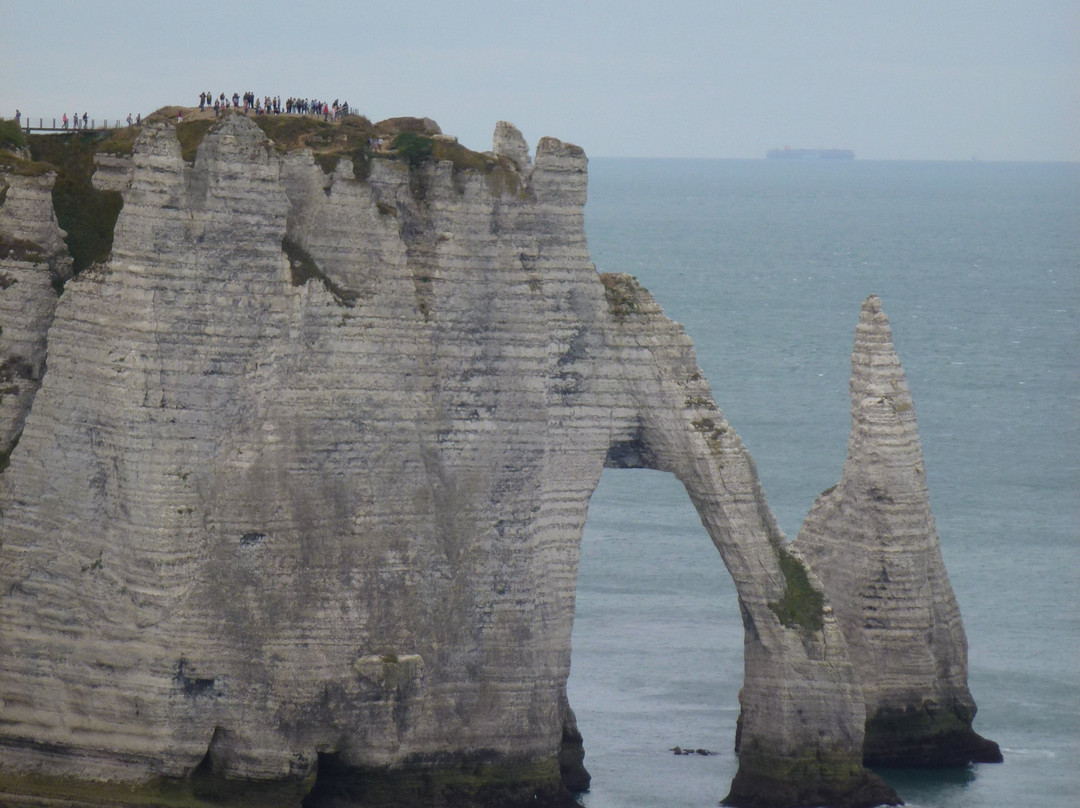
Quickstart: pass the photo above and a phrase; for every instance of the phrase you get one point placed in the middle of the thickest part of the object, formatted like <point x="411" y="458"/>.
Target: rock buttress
<point x="871" y="539"/>
<point x="298" y="503"/>
<point x="33" y="265"/>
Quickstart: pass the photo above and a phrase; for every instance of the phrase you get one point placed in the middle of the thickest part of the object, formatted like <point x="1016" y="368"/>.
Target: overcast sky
<point x="941" y="80"/>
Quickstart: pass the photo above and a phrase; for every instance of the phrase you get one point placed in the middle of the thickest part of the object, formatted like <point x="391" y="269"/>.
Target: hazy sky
<point x="947" y="79"/>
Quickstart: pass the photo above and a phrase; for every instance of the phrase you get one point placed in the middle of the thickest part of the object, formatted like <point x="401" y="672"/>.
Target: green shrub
<point x="413" y="148"/>
<point x="11" y="136"/>
<point x="802" y="606"/>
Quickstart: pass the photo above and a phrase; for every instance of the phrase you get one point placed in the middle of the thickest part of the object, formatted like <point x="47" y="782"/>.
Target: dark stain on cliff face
<point x="85" y="213"/>
<point x="192" y="685"/>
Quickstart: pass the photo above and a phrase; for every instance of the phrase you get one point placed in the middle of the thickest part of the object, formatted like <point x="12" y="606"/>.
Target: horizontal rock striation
<point x="872" y="541"/>
<point x="33" y="263"/>
<point x="296" y="509"/>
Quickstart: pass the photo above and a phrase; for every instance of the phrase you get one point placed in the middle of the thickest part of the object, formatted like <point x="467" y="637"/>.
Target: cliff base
<point x="925" y="739"/>
<point x="477" y="781"/>
<point x="765" y="781"/>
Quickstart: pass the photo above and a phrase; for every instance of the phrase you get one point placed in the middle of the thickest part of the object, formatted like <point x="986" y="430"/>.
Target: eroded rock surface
<point x="33" y="261"/>
<point x="872" y="541"/>
<point x="299" y="500"/>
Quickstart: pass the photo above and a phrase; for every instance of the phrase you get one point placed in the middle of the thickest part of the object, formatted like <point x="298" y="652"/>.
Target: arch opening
<point x="657" y="647"/>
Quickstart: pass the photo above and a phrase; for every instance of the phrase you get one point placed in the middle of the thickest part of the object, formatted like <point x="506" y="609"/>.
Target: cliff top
<point x="354" y="136"/>
<point x="88" y="215"/>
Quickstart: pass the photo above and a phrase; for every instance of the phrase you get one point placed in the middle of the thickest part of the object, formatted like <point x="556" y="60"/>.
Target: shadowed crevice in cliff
<point x="304" y="268"/>
<point x="86" y="214"/>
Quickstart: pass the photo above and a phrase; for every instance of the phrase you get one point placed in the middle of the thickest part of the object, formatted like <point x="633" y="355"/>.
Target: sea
<point x="766" y="264"/>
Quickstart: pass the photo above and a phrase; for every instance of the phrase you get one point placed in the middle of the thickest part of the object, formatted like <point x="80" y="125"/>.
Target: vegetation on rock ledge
<point x="802" y="606"/>
<point x="622" y="293"/>
<point x="11" y="136"/>
<point x="329" y="142"/>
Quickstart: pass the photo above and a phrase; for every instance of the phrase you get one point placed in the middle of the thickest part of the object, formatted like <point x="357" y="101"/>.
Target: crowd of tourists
<point x="273" y="105"/>
<point x="248" y="102"/>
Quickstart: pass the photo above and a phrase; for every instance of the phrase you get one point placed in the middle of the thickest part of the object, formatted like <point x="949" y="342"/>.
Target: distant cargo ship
<point x="788" y="153"/>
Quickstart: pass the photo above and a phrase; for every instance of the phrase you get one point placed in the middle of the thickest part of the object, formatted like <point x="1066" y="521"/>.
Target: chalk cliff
<point x="33" y="261"/>
<point x="296" y="508"/>
<point x="872" y="541"/>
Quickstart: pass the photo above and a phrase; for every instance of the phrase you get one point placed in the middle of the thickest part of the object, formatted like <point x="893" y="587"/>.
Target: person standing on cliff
<point x="202" y="101"/>
<point x="18" y="118"/>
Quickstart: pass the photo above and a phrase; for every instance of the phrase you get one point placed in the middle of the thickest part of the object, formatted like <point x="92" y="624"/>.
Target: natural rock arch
<point x="799" y="687"/>
<point x="304" y="483"/>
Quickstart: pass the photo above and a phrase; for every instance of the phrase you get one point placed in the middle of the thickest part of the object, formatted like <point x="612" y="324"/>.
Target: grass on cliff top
<point x="415" y="149"/>
<point x="410" y="138"/>
<point x="120" y="141"/>
<point x="12" y="163"/>
<point x="329" y="142"/>
<point x="11" y="136"/>
<point x="12" y="144"/>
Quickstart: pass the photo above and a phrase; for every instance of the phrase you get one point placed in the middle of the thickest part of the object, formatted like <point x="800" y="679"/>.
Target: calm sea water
<point x="766" y="264"/>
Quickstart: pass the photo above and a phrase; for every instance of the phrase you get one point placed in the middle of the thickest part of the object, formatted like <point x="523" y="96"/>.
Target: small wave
<point x="1039" y="753"/>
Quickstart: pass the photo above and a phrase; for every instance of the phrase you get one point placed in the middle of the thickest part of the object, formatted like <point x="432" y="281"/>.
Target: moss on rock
<point x="802" y="607"/>
<point x="480" y="780"/>
<point x="935" y="736"/>
<point x="163" y="792"/>
<point x="819" y="777"/>
<point x="622" y="292"/>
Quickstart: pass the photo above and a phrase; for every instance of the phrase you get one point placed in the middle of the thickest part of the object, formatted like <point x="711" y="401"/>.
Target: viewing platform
<point x="56" y="125"/>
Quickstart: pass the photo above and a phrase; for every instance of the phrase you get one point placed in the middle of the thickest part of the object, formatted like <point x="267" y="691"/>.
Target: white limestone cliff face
<point x="303" y="487"/>
<point x="872" y="541"/>
<point x="32" y="257"/>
